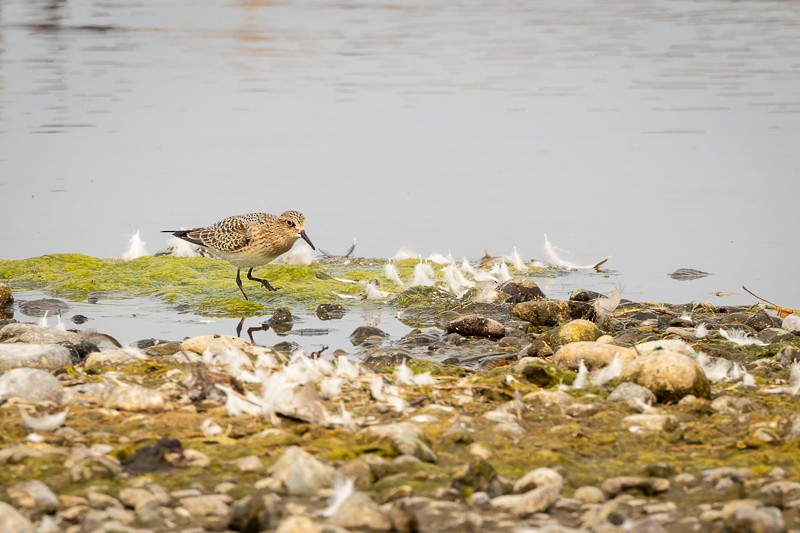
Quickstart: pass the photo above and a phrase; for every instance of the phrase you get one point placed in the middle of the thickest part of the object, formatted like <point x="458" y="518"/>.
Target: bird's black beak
<point x="305" y="238"/>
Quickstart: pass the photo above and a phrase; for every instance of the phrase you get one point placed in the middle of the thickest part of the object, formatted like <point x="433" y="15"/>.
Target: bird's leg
<point x="239" y="283"/>
<point x="264" y="282"/>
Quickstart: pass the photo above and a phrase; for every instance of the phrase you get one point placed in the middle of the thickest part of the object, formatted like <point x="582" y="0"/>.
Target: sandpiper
<point x="249" y="240"/>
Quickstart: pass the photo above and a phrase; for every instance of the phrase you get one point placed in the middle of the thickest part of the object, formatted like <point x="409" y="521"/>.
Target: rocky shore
<point x="523" y="414"/>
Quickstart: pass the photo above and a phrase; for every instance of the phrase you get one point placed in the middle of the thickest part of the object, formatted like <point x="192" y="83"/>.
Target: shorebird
<point x="249" y="240"/>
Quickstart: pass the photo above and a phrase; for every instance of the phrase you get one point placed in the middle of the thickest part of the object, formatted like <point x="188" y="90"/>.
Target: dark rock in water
<point x="6" y="298"/>
<point x="152" y="458"/>
<point x="79" y="319"/>
<point x="286" y="347"/>
<point x="281" y="315"/>
<point x="418" y="337"/>
<point x="330" y="311"/>
<point x="147" y="343"/>
<point x="476" y="326"/>
<point x="521" y="290"/>
<point x="787" y="355"/>
<point x="51" y="306"/>
<point x="362" y="333"/>
<point x="759" y="321"/>
<point x="685" y="274"/>
<point x="641" y="316"/>
<point x="584" y="295"/>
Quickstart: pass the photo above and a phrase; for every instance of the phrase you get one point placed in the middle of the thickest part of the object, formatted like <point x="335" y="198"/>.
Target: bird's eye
<point x="290" y="223"/>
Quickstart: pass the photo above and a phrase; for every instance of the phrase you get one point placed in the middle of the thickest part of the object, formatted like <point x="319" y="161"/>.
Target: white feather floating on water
<point x="136" y="248"/>
<point x="43" y="320"/>
<point x="551" y="252"/>
<point x="46" y="422"/>
<point x="342" y="490"/>
<point x="60" y="324"/>
<point x="391" y="273"/>
<point x="740" y="337"/>
<point x="583" y="374"/>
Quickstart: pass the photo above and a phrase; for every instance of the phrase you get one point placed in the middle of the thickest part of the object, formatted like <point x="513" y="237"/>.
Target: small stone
<point x="589" y="494"/>
<point x="745" y="516"/>
<point x="521" y="290"/>
<point x="791" y="323"/>
<point x="12" y="521"/>
<point x="593" y="354"/>
<point x="330" y="311"/>
<point x="406" y="438"/>
<point x="669" y="375"/>
<point x="132" y="398"/>
<point x="732" y="405"/>
<point x="360" y="512"/>
<point x="432" y="516"/>
<point x="112" y="358"/>
<point x="543" y="312"/>
<point x="42" y="356"/>
<point x="33" y="495"/>
<point x="634" y="395"/>
<point x="298" y="473"/>
<point x="476" y="326"/>
<point x="362" y="333"/>
<point x="759" y="321"/>
<point x="250" y="463"/>
<point x="647" y="486"/>
<point x="32" y="385"/>
<point x="477" y="475"/>
<point x="537" y="500"/>
<point x="650" y="422"/>
<point x="210" y="511"/>
<point x="539" y="477"/>
<point x="35" y="334"/>
<point x="359" y="471"/>
<point x="298" y="524"/>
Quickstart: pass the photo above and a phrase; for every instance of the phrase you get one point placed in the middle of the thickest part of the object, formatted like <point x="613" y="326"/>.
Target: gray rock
<point x="143" y="502"/>
<point x="787" y="355"/>
<point x="634" y="395"/>
<point x="34" y="496"/>
<point x="669" y="375"/>
<point x="775" y="335"/>
<point x="132" y="398"/>
<point x="650" y="422"/>
<point x="11" y="521"/>
<point x="250" y="463"/>
<point x="256" y="512"/>
<point x="537" y="478"/>
<point x="732" y="405"/>
<point x="298" y="473"/>
<point x="360" y="512"/>
<point x="362" y="333"/>
<point x="645" y="485"/>
<point x="537" y="500"/>
<point x="476" y="326"/>
<point x="406" y="438"/>
<point x="210" y="511"/>
<point x="43" y="356"/>
<point x="791" y="323"/>
<point x="593" y="354"/>
<point x="431" y="516"/>
<point x="34" y="334"/>
<point x="745" y="516"/>
<point x="32" y="385"/>
<point x="477" y="475"/>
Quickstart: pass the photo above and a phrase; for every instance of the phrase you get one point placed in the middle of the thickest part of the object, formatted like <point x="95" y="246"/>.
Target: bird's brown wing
<point x="228" y="235"/>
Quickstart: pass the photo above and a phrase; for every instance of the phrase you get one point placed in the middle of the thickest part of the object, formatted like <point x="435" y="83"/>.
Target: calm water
<point x="662" y="133"/>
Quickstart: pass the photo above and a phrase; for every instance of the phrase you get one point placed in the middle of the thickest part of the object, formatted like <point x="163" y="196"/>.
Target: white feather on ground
<point x="455" y="280"/>
<point x="391" y="273"/>
<point x="210" y="428"/>
<point x="715" y="368"/>
<point x="608" y="372"/>
<point x="342" y="490"/>
<point x="701" y="331"/>
<point x="46" y="422"/>
<point x="551" y="252"/>
<point x="605" y="307"/>
<point x="580" y="379"/>
<point x="794" y="382"/>
<point x="181" y="248"/>
<point x="500" y="271"/>
<point x="136" y="248"/>
<point x="423" y="275"/>
<point x="373" y="292"/>
<point x="740" y="337"/>
<point x="299" y="255"/>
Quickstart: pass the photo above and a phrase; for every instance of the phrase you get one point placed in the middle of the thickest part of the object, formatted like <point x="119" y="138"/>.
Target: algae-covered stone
<point x="421" y="296"/>
<point x="543" y="312"/>
<point x="477" y="475"/>
<point x="574" y="331"/>
<point x="476" y="326"/>
<point x="6" y="298"/>
<point x="43" y="356"/>
<point x="669" y="375"/>
<point x="544" y="374"/>
<point x="32" y="385"/>
<point x="593" y="355"/>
